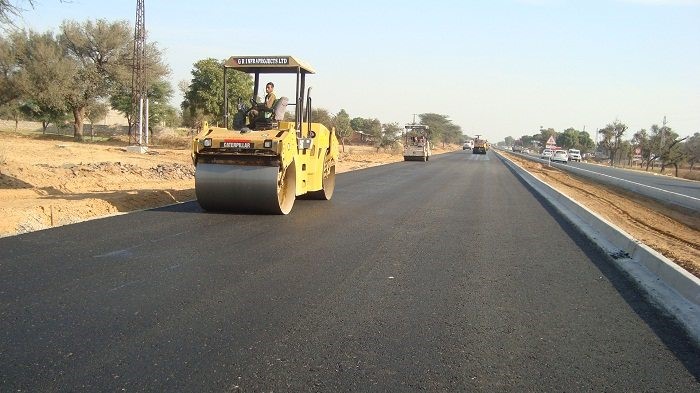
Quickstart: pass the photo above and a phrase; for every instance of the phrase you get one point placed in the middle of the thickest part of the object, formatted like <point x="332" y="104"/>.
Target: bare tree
<point x="10" y="10"/>
<point x="612" y="138"/>
<point x="664" y="147"/>
<point x="673" y="155"/>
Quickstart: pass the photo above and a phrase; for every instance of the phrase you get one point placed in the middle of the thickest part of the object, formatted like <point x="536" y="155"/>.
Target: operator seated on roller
<point x="263" y="110"/>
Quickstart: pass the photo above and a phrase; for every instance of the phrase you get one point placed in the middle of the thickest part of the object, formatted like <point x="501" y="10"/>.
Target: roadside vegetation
<point x="659" y="149"/>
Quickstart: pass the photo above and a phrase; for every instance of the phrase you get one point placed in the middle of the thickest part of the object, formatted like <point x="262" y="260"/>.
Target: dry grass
<point x="172" y="141"/>
<point x="690" y="175"/>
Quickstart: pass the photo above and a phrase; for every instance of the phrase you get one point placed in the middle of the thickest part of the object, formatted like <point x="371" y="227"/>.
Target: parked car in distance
<point x="560" y="156"/>
<point x="517" y="149"/>
<point x="574" y="155"/>
<point x="546" y="153"/>
<point x="468" y="145"/>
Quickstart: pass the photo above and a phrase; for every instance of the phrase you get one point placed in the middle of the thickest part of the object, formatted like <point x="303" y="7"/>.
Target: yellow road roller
<point x="262" y="164"/>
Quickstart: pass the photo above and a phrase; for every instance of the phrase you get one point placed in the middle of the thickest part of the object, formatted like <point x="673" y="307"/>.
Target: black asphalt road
<point x="680" y="193"/>
<point x="448" y="275"/>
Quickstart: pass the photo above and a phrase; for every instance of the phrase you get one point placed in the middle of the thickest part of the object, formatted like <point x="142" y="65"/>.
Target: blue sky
<point x="495" y="67"/>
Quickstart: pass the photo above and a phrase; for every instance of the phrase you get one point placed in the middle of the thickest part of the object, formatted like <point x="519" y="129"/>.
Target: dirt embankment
<point x="673" y="234"/>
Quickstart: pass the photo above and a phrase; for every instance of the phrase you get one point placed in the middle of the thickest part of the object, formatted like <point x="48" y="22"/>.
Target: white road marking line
<point x="635" y="183"/>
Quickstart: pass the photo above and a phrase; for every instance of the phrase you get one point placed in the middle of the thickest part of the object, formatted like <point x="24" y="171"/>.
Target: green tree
<point x="95" y="113"/>
<point x="158" y="88"/>
<point x="9" y="67"/>
<point x="13" y="104"/>
<point x="640" y="140"/>
<point x="667" y="147"/>
<point x="159" y="95"/>
<point x="45" y="115"/>
<point x="13" y="110"/>
<point x="171" y="117"/>
<point x="545" y="134"/>
<point x="389" y="134"/>
<point x="674" y="156"/>
<point x="656" y="137"/>
<point x="320" y="115"/>
<point x="343" y="129"/>
<point x="509" y="141"/>
<point x="358" y="124"/>
<point x="612" y="138"/>
<point x="691" y="147"/>
<point x="441" y="128"/>
<point x="528" y="140"/>
<point x="44" y="77"/>
<point x="625" y="152"/>
<point x="204" y="98"/>
<point x="372" y="128"/>
<point x="664" y="146"/>
<point x="569" y="139"/>
<point x="585" y="142"/>
<point x="98" y="50"/>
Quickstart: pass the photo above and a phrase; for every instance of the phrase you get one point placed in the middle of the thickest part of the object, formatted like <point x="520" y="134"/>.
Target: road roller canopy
<point x="417" y="127"/>
<point x="257" y="65"/>
<point x="268" y="65"/>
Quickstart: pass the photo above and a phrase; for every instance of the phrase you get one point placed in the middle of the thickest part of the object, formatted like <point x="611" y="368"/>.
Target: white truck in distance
<point x="417" y="143"/>
<point x="574" y="155"/>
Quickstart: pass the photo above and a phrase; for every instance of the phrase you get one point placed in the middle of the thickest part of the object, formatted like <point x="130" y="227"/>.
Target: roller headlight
<point x="207" y="142"/>
<point x="267" y="143"/>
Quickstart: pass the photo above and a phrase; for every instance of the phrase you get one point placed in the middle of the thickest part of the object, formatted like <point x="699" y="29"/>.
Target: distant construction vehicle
<point x="480" y="145"/>
<point x="264" y="165"/>
<point x="416" y="145"/>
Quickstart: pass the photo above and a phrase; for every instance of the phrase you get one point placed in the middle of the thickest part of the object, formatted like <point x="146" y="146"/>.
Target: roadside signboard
<point x="637" y="157"/>
<point x="551" y="143"/>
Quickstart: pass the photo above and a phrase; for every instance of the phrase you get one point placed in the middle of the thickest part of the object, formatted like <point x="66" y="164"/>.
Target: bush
<point x="170" y="138"/>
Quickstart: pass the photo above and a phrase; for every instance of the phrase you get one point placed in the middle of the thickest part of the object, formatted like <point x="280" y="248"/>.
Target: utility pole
<point x="663" y="133"/>
<point x="139" y="93"/>
<point x="597" y="130"/>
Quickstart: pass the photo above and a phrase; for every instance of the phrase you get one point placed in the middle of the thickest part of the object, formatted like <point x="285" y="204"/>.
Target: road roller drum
<point x="244" y="188"/>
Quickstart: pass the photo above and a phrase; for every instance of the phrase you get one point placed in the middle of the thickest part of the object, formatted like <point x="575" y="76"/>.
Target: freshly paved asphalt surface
<point x="679" y="193"/>
<point x="448" y="275"/>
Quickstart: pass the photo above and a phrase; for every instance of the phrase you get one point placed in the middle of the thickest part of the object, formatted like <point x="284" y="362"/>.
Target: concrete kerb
<point x="666" y="284"/>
